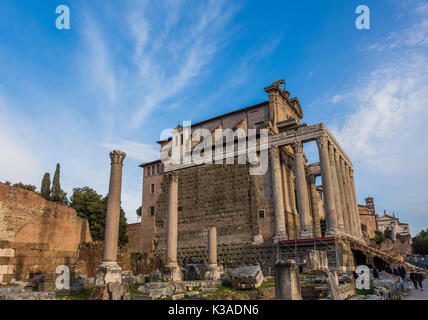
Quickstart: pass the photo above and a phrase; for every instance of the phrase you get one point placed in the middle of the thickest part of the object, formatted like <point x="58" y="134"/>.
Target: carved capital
<point x="274" y="152"/>
<point x="117" y="157"/>
<point x="322" y="142"/>
<point x="298" y="147"/>
<point x="173" y="176"/>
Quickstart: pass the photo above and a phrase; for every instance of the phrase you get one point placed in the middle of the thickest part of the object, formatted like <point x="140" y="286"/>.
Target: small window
<point x="158" y="168"/>
<point x="152" y="188"/>
<point x="151" y="211"/>
<point x="148" y="171"/>
<point x="153" y="170"/>
<point x="261" y="213"/>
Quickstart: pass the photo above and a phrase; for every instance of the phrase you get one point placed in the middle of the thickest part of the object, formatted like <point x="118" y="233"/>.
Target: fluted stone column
<point x="109" y="271"/>
<point x="338" y="204"/>
<point x="328" y="187"/>
<point x="341" y="194"/>
<point x="354" y="195"/>
<point x="349" y="199"/>
<point x="302" y="192"/>
<point x="315" y="209"/>
<point x="171" y="271"/>
<point x="346" y="196"/>
<point x="287" y="202"/>
<point x="278" y="200"/>
<point x="172" y="219"/>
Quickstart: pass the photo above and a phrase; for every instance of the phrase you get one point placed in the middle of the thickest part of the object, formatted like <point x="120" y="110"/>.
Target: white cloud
<point x="138" y="151"/>
<point x="336" y="98"/>
<point x="386" y="134"/>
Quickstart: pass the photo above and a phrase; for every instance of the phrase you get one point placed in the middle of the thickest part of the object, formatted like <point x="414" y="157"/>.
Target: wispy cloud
<point x="385" y="134"/>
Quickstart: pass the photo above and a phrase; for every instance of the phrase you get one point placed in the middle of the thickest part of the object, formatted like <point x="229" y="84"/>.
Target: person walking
<point x="413" y="278"/>
<point x="420" y="279"/>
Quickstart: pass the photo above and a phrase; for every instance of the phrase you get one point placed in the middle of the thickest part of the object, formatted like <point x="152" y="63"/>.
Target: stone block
<point x="7" y="252"/>
<point x="249" y="277"/>
<point x="287" y="285"/>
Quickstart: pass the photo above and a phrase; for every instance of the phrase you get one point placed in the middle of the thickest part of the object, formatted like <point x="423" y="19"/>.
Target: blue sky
<point x="127" y="70"/>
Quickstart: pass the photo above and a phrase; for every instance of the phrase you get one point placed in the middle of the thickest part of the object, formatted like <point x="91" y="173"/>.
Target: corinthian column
<point x="328" y="187"/>
<point x="341" y="193"/>
<point x="345" y="182"/>
<point x="315" y="209"/>
<point x="171" y="249"/>
<point x="171" y="271"/>
<point x="350" y="200"/>
<point x="302" y="192"/>
<point x="278" y="196"/>
<point x="338" y="204"/>
<point x="109" y="271"/>
<point x="354" y="196"/>
<point x="287" y="201"/>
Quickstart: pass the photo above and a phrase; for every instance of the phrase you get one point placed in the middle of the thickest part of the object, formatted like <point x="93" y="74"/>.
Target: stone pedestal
<point x="287" y="286"/>
<point x="171" y="273"/>
<point x="257" y="239"/>
<point x="108" y="272"/>
<point x="212" y="272"/>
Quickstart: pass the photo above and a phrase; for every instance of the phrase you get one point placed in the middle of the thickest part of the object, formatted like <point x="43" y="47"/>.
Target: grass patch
<point x="134" y="289"/>
<point x="364" y="292"/>
<point x="84" y="295"/>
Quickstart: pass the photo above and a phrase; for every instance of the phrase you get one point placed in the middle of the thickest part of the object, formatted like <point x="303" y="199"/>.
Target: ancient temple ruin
<point x="254" y="214"/>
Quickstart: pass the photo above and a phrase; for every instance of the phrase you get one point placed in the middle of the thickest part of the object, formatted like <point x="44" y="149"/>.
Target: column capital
<point x="117" y="157"/>
<point x="322" y="142"/>
<point x="274" y="151"/>
<point x="298" y="147"/>
<point x="173" y="176"/>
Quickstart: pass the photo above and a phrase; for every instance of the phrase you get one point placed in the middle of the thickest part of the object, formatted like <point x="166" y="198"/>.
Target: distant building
<point x="388" y="222"/>
<point x="368" y="218"/>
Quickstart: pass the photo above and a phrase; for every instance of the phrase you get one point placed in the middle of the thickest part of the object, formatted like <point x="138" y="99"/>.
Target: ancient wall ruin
<point x="36" y="235"/>
<point x="224" y="196"/>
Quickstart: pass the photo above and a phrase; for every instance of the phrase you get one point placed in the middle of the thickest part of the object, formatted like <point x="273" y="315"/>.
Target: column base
<point x="257" y="239"/>
<point x="305" y="234"/>
<point x="108" y="272"/>
<point x="171" y="273"/>
<point x="332" y="232"/>
<point x="279" y="237"/>
<point x="212" y="272"/>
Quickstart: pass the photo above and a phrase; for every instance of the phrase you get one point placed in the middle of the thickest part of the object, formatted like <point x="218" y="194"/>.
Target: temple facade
<point x="282" y="204"/>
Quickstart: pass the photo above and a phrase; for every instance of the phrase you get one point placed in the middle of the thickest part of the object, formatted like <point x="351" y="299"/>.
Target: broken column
<point x="171" y="271"/>
<point x="287" y="285"/>
<point x="213" y="270"/>
<point x="109" y="272"/>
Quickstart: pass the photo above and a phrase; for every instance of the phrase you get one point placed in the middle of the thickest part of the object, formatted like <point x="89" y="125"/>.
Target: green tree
<point x="29" y="187"/>
<point x="138" y="211"/>
<point x="388" y="234"/>
<point x="57" y="194"/>
<point x="93" y="207"/>
<point x="420" y="243"/>
<point x="45" y="189"/>
<point x="8" y="182"/>
<point x="379" y="237"/>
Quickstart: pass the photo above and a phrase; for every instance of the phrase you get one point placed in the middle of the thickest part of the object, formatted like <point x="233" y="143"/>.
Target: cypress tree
<point x="57" y="194"/>
<point x="45" y="189"/>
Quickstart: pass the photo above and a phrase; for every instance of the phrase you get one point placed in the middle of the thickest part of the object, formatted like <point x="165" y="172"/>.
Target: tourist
<point x="413" y="278"/>
<point x="420" y="279"/>
<point x="375" y="273"/>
